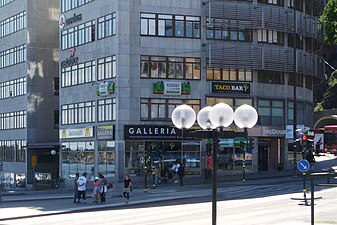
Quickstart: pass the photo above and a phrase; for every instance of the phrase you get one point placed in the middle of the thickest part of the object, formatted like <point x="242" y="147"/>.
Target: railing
<point x="264" y="57"/>
<point x="267" y="17"/>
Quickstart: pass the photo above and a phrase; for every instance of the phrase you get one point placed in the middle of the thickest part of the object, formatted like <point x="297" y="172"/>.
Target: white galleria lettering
<point x="152" y="131"/>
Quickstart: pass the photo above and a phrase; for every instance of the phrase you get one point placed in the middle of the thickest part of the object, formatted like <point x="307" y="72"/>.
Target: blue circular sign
<point x="303" y="165"/>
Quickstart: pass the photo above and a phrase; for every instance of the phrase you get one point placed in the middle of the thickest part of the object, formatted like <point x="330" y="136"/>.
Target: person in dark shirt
<point x="310" y="157"/>
<point x="127" y="187"/>
<point x="77" y="175"/>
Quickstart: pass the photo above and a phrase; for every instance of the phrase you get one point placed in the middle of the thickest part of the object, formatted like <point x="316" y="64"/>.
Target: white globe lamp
<point x="245" y="116"/>
<point x="221" y="115"/>
<point x="204" y="120"/>
<point x="183" y="117"/>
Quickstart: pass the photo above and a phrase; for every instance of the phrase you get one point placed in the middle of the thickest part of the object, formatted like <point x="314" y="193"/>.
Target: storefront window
<point x="162" y="155"/>
<point x="230" y="156"/>
<point x="106" y="158"/>
<point x="134" y="157"/>
<point x="78" y="157"/>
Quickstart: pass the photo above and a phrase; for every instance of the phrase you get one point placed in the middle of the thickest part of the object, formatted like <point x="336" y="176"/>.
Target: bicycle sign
<point x="303" y="165"/>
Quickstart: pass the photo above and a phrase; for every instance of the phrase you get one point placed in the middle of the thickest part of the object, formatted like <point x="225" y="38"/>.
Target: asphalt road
<point x="276" y="210"/>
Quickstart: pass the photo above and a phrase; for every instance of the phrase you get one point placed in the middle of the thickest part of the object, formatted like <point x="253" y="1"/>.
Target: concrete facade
<point x="36" y="96"/>
<point x="128" y="45"/>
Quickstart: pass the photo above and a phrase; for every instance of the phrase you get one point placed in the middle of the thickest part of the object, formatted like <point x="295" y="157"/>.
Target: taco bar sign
<point x="237" y="88"/>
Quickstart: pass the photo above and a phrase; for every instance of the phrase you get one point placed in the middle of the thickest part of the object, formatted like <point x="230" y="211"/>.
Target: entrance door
<point x="263" y="158"/>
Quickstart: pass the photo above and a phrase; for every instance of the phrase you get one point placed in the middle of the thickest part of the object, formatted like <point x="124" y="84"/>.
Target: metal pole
<point x="153" y="177"/>
<point x="244" y="156"/>
<point x="312" y="201"/>
<point x="304" y="189"/>
<point x="0" y="188"/>
<point x="215" y="137"/>
<point x="295" y="84"/>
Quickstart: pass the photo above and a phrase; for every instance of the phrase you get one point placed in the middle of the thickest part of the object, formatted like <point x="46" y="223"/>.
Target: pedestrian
<point x="181" y="173"/>
<point x="103" y="187"/>
<point x="81" y="188"/>
<point x="174" y="170"/>
<point x="75" y="186"/>
<point x="310" y="157"/>
<point x="127" y="187"/>
<point x="96" y="191"/>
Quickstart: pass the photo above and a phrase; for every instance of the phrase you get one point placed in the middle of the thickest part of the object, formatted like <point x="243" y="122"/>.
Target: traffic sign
<point x="34" y="161"/>
<point x="303" y="165"/>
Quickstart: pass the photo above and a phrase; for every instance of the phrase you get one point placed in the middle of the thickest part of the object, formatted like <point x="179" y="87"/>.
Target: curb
<point x="95" y="207"/>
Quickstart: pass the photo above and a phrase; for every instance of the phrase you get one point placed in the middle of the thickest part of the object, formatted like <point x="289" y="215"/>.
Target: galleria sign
<point x="152" y="131"/>
<point x="143" y="132"/>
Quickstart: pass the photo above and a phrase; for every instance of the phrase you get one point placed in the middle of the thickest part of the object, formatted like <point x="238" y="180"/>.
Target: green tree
<point x="329" y="19"/>
<point x="330" y="96"/>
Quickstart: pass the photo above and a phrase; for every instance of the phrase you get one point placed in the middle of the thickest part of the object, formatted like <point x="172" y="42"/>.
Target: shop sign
<point x="226" y="142"/>
<point x="151" y="132"/>
<point x="274" y="132"/>
<point x="105" y="88"/>
<point x="72" y="60"/>
<point x="172" y="88"/>
<point x="290" y="130"/>
<point x="231" y="88"/>
<point x="34" y="161"/>
<point x="105" y="132"/>
<point x="267" y="131"/>
<point x="63" y="21"/>
<point x="77" y="133"/>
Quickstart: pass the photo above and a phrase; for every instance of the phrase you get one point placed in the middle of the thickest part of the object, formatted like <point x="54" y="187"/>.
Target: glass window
<point x="106" y="158"/>
<point x="161" y="109"/>
<point x="170" y="67"/>
<point x="170" y="25"/>
<point x="271" y="112"/>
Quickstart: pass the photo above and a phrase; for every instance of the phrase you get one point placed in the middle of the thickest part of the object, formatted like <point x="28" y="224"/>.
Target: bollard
<point x="145" y="181"/>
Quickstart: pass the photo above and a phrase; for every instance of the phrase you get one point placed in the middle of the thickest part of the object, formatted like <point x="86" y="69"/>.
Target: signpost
<point x="303" y="165"/>
<point x="34" y="161"/>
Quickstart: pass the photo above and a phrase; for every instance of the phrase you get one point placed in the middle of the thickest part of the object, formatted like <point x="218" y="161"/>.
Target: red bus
<point x="326" y="139"/>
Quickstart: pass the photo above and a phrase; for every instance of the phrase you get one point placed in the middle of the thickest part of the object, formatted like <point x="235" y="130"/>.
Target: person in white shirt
<point x="81" y="187"/>
<point x="174" y="170"/>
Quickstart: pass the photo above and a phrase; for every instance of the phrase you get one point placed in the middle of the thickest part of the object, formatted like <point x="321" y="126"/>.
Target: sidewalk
<point x="23" y="204"/>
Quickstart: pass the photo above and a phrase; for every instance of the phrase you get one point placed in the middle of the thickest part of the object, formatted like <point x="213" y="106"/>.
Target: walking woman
<point x="127" y="187"/>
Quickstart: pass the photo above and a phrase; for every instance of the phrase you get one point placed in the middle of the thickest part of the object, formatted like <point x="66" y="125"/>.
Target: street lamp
<point x="211" y="118"/>
<point x="245" y="116"/>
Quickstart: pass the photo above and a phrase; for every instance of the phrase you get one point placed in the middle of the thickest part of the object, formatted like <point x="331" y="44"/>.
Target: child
<point x="96" y="193"/>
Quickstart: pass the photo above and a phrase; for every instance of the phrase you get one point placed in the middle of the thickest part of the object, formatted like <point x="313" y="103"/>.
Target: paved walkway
<point x="23" y="204"/>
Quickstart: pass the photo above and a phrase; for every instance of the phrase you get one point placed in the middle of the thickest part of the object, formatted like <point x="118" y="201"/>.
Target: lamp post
<point x="214" y="119"/>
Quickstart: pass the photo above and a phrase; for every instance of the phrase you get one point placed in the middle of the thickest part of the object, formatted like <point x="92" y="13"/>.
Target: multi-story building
<point x="125" y="65"/>
<point x="28" y="91"/>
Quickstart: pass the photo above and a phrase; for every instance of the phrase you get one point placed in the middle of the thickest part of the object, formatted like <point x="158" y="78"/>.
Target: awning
<point x="331" y="127"/>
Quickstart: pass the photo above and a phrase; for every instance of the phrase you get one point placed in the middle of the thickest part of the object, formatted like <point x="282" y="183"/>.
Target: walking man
<point x="81" y="187"/>
<point x="127" y="187"/>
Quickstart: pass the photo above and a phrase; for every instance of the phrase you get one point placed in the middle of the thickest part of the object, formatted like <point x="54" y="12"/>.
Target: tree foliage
<point x="329" y="100"/>
<point x="329" y="19"/>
